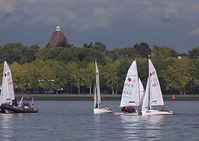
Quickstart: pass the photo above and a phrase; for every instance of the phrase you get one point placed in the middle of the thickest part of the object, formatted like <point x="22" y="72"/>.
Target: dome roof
<point x="57" y="28"/>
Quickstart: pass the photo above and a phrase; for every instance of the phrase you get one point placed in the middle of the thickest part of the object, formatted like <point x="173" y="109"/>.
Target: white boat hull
<point x="125" y="113"/>
<point x="155" y="112"/>
<point x="8" y="111"/>
<point x="101" y="110"/>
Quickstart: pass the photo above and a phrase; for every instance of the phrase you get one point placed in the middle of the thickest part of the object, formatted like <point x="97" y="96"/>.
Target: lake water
<point x="74" y="121"/>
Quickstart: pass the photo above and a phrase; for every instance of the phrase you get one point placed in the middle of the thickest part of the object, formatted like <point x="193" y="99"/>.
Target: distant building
<point x="58" y="39"/>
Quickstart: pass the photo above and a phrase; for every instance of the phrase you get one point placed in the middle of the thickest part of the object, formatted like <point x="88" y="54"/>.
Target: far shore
<point x="104" y="96"/>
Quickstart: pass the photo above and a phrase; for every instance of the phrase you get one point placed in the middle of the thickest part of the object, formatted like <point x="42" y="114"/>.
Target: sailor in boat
<point x="164" y="108"/>
<point x="107" y="108"/>
<point x="26" y="105"/>
<point x="14" y="102"/>
<point x="97" y="106"/>
<point x="130" y="109"/>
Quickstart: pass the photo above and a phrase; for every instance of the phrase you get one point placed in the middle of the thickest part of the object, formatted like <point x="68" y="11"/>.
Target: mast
<point x="149" y="91"/>
<point x="139" y="98"/>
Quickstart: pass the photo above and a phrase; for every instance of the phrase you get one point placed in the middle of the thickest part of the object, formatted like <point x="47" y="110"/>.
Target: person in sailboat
<point x="96" y="106"/>
<point x="14" y="102"/>
<point x="129" y="109"/>
<point x="133" y="109"/>
<point x="163" y="108"/>
<point x="26" y="105"/>
<point x="122" y="109"/>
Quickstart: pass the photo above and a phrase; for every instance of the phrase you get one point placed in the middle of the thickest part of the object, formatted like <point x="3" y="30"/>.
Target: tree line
<point x="71" y="69"/>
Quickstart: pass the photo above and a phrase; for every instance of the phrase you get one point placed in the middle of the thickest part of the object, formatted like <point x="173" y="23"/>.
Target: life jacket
<point x="26" y="104"/>
<point x="126" y="110"/>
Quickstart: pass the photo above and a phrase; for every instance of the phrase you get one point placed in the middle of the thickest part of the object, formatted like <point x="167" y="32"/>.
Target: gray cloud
<point x="194" y="32"/>
<point x="89" y="14"/>
<point x="171" y="17"/>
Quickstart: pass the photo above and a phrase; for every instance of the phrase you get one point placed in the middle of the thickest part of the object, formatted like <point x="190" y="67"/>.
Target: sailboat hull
<point x="155" y="112"/>
<point x="127" y="114"/>
<point x="101" y="110"/>
<point x="13" y="109"/>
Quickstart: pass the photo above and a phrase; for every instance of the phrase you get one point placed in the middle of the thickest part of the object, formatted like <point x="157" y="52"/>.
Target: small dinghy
<point x="153" y="95"/>
<point x="14" y="109"/>
<point x="98" y="109"/>
<point x="8" y="103"/>
<point x="132" y="93"/>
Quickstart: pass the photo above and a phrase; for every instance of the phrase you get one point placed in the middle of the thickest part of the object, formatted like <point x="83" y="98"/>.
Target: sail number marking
<point x="155" y="84"/>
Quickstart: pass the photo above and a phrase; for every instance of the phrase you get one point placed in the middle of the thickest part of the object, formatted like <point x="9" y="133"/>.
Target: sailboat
<point x="7" y="97"/>
<point x="132" y="93"/>
<point x="98" y="109"/>
<point x="153" y="95"/>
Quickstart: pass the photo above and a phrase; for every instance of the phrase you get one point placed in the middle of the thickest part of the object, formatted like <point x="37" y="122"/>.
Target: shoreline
<point x="103" y="96"/>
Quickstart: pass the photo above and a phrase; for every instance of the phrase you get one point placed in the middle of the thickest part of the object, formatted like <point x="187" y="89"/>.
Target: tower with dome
<point x="57" y="39"/>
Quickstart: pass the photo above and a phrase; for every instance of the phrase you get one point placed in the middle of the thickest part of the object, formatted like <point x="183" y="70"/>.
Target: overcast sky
<point x="116" y="23"/>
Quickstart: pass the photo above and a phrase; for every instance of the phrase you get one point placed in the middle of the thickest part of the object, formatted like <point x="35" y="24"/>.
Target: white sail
<point x="95" y="98"/>
<point x="130" y="93"/>
<point x="155" y="90"/>
<point x="97" y="85"/>
<point x="145" y="102"/>
<point x="7" y="91"/>
<point x="153" y="95"/>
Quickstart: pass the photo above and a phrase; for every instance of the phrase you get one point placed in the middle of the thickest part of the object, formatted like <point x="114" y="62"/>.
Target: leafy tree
<point x="68" y="54"/>
<point x="161" y="52"/>
<point x="112" y="74"/>
<point x="119" y="53"/>
<point x="29" y="54"/>
<point x="177" y="75"/>
<point x="48" y="53"/>
<point x="72" y="73"/>
<point x="194" y="53"/>
<point x="142" y="69"/>
<point x="143" y="49"/>
<point x="18" y="74"/>
<point x="13" y="52"/>
<point x="100" y="46"/>
<point x="88" y="76"/>
<point x="97" y="46"/>
<point x="52" y="76"/>
<point x="194" y="71"/>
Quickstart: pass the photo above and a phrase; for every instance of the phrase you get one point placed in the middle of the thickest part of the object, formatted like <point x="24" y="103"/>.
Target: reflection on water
<point x="75" y="121"/>
<point x="154" y="128"/>
<point x="97" y="127"/>
<point x="6" y="127"/>
<point x="141" y="127"/>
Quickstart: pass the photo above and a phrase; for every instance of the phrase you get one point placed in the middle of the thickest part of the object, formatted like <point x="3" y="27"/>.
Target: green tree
<point x="177" y="75"/>
<point x="119" y="53"/>
<point x="88" y="76"/>
<point x="73" y="74"/>
<point x="143" y="49"/>
<point x="194" y="70"/>
<point x="112" y="74"/>
<point x="13" y="52"/>
<point x="18" y="73"/>
<point x="162" y="52"/>
<point x="97" y="46"/>
<point x="29" y="54"/>
<point x="48" y="53"/>
<point x="194" y="53"/>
